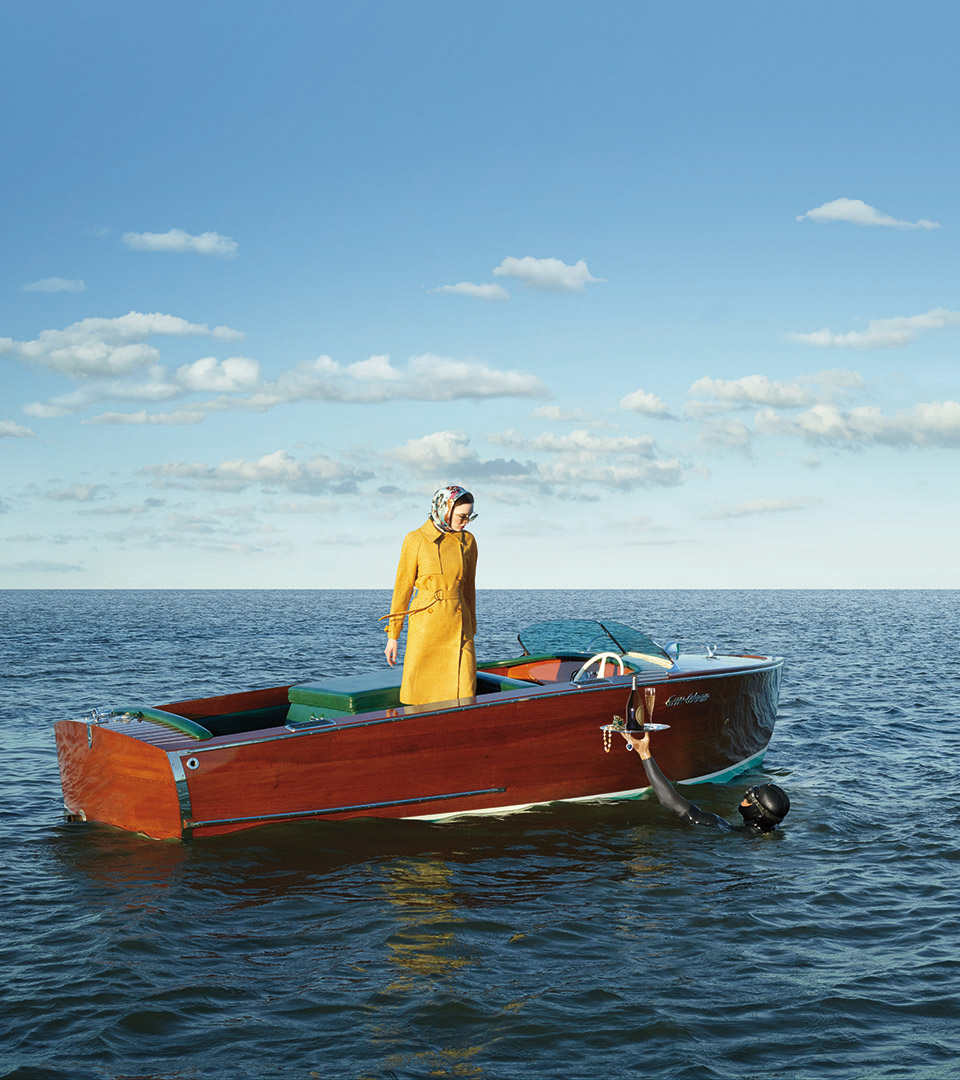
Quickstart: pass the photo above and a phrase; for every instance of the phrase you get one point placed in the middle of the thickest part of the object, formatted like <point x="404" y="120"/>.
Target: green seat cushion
<point x="303" y="714"/>
<point x="370" y="692"/>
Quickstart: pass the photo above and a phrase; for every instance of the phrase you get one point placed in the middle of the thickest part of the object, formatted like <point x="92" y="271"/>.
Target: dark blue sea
<point x="566" y="941"/>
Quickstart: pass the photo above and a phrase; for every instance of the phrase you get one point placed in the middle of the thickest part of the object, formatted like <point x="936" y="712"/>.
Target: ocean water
<point x="602" y="940"/>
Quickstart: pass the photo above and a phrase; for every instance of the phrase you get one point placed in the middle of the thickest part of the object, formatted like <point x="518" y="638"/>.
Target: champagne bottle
<point x="632" y="723"/>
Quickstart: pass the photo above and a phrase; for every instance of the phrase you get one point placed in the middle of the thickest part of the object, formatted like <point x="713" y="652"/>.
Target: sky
<point x="674" y="289"/>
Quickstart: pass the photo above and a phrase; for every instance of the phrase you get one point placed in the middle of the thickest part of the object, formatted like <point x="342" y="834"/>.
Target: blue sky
<point x="672" y="287"/>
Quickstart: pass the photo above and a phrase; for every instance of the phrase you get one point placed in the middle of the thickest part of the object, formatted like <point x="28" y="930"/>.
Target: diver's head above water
<point x="763" y="807"/>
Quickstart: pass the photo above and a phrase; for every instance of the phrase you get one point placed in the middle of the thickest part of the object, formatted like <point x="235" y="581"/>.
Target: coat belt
<point x="439" y="594"/>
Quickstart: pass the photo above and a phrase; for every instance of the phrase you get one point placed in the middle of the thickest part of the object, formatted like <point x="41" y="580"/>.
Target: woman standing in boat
<point x="436" y="589"/>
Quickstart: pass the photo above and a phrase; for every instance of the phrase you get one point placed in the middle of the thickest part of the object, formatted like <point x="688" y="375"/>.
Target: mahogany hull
<point x="495" y="753"/>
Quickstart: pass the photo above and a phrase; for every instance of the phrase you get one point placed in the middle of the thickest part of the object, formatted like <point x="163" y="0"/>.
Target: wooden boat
<point x="343" y="746"/>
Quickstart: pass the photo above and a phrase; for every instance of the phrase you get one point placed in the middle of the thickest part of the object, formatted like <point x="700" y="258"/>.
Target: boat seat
<point x="344" y="695"/>
<point x="374" y="691"/>
<point x="492" y="682"/>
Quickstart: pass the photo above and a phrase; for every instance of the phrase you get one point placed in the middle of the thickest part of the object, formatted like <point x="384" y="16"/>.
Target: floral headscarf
<point x="441" y="506"/>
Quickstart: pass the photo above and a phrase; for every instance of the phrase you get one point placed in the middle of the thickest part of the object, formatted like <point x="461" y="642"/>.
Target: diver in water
<point x="762" y="808"/>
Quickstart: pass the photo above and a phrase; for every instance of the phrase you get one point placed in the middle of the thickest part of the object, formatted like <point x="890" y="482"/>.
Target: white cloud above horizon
<point x="729" y="435"/>
<point x="577" y="463"/>
<point x="10" y="429"/>
<point x="490" y="292"/>
<point x="103" y="346"/>
<point x="547" y="275"/>
<point x="893" y="333"/>
<point x="857" y="212"/>
<point x="274" y="471"/>
<point x="441" y="452"/>
<point x="764" y="507"/>
<point x="427" y="377"/>
<point x="78" y="493"/>
<point x="238" y="379"/>
<point x="644" y="403"/>
<point x="782" y="394"/>
<point x="55" y="284"/>
<point x="576" y="442"/>
<point x="929" y="424"/>
<point x="173" y="418"/>
<point x="179" y="242"/>
<point x="560" y="414"/>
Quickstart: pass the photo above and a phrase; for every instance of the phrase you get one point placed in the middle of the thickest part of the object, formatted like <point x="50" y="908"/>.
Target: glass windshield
<point x="588" y="636"/>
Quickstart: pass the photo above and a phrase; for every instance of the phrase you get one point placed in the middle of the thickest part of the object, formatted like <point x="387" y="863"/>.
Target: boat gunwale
<point x="534" y="693"/>
<point x="406" y="713"/>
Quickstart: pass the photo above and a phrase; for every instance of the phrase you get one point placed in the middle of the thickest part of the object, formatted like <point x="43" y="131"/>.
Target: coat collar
<point x="431" y="533"/>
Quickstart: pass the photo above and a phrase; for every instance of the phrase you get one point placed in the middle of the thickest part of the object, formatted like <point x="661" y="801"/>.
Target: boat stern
<point x="110" y="777"/>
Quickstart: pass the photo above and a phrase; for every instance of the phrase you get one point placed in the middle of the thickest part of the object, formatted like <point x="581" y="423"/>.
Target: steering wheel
<point x="600" y="660"/>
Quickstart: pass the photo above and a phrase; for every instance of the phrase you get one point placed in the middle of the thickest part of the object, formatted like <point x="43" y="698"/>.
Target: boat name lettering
<point x="689" y="699"/>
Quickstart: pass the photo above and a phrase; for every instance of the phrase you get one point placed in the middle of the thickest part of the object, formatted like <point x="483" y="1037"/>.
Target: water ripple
<point x="565" y="941"/>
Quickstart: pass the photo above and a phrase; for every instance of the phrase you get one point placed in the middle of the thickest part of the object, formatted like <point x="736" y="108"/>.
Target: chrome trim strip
<point x="183" y="792"/>
<point x="343" y="809"/>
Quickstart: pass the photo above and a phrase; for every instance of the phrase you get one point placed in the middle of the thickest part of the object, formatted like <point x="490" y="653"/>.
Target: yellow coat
<point x="436" y="582"/>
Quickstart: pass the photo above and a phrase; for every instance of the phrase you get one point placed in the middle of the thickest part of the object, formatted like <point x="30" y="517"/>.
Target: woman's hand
<point x="641" y="745"/>
<point x="390" y="651"/>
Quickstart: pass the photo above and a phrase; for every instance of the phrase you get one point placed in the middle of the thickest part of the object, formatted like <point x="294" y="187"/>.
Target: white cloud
<point x="78" y="493"/>
<point x="55" y="284"/>
<point x="174" y="418"/>
<point x="374" y="369"/>
<point x="146" y="506"/>
<point x="760" y="390"/>
<point x="588" y="463"/>
<point x="96" y="346"/>
<point x="647" y="404"/>
<point x="548" y="275"/>
<point x="931" y="424"/>
<point x="436" y="452"/>
<point x="731" y="435"/>
<point x="11" y="430"/>
<point x="578" y="442"/>
<point x="426" y="378"/>
<point x="38" y="566"/>
<point x="238" y="380"/>
<point x="858" y="212"/>
<point x="276" y="471"/>
<point x="440" y="378"/>
<point x="586" y="470"/>
<point x="178" y="241"/>
<point x="765" y="506"/>
<point x="235" y="374"/>
<point x="489" y="293"/>
<point x="443" y="452"/>
<point x="567" y="416"/>
<point x="210" y="375"/>
<point x="882" y="333"/>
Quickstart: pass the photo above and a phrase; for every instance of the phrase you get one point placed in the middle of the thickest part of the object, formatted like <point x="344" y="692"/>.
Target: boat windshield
<point x="589" y="636"/>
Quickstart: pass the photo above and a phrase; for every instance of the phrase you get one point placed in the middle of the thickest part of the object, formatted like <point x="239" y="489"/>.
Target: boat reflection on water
<point x="427" y="954"/>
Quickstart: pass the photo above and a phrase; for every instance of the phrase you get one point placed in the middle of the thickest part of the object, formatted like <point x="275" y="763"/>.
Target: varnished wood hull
<point x="494" y="753"/>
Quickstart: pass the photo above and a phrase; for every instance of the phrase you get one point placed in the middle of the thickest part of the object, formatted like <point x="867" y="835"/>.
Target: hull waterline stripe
<point x="729" y="773"/>
<point x="343" y="809"/>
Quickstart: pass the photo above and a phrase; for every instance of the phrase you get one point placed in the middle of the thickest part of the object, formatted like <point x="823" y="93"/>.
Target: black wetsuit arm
<point x="664" y="790"/>
<point x="682" y="807"/>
